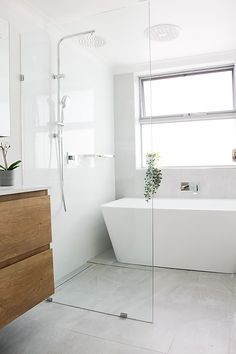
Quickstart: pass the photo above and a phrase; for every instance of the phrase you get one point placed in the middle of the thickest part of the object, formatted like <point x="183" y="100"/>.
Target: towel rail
<point x="97" y="156"/>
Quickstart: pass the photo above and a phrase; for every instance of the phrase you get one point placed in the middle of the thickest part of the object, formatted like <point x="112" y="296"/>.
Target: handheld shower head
<point x="65" y="101"/>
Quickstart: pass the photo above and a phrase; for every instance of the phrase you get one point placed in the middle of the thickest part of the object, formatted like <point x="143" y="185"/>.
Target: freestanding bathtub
<point x="197" y="234"/>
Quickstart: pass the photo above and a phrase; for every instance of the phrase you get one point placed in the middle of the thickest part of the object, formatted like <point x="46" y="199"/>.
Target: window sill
<point x="191" y="167"/>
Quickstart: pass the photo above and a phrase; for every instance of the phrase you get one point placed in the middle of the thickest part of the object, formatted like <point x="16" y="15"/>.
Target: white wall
<point x="214" y="182"/>
<point x="4" y="79"/>
<point x="127" y="177"/>
<point x="80" y="234"/>
<point x="18" y="20"/>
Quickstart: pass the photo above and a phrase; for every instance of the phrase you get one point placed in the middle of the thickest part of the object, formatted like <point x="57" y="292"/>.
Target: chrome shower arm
<point x="75" y="35"/>
<point x="60" y="115"/>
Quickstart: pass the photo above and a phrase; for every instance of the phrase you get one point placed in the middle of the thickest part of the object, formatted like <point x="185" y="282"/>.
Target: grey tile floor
<point x="195" y="313"/>
<point x="110" y="289"/>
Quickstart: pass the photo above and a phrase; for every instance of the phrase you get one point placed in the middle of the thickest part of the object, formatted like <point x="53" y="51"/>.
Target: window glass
<point x="189" y="93"/>
<point x="191" y="143"/>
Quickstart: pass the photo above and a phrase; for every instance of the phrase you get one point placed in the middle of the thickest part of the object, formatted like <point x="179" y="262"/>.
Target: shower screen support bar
<point x="59" y="124"/>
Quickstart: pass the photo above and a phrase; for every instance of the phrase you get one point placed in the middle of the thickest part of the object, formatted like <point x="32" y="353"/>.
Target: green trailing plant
<point x="4" y="149"/>
<point x="153" y="175"/>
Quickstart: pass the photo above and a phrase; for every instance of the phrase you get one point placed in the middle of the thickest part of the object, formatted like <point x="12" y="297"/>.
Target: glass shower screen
<point x="100" y="62"/>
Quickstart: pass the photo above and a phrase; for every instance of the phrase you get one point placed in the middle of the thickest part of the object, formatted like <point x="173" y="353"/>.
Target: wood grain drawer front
<point x="25" y="225"/>
<point x="25" y="284"/>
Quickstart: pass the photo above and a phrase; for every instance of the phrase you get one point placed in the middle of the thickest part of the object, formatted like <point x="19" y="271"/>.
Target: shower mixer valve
<point x="189" y="187"/>
<point x="71" y="159"/>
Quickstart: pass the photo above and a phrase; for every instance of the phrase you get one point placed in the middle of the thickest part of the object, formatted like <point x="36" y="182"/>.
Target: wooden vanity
<point x="26" y="265"/>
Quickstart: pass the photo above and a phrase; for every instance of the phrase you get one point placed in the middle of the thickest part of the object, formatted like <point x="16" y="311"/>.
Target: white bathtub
<point x="197" y="234"/>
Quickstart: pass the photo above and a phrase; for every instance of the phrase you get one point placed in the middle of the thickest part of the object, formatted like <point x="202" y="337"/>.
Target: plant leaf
<point x="2" y="168"/>
<point x="153" y="176"/>
<point x="14" y="165"/>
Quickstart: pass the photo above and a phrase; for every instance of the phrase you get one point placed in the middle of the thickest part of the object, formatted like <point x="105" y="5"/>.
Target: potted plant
<point x="7" y="171"/>
<point x="153" y="175"/>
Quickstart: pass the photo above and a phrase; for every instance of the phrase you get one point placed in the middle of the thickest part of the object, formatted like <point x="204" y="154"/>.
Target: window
<point x="191" y="115"/>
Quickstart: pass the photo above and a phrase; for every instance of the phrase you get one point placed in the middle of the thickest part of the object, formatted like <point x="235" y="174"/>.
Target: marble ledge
<point x="21" y="189"/>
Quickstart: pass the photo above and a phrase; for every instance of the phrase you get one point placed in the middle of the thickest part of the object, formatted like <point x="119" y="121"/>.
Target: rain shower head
<point x="91" y="40"/>
<point x="65" y="101"/>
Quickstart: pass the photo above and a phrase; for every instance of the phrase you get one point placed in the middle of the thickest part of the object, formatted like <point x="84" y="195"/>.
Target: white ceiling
<point x="208" y="26"/>
<point x="64" y="11"/>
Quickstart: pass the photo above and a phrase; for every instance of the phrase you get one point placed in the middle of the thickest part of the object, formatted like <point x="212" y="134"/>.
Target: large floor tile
<point x="146" y="335"/>
<point x="110" y="289"/>
<point x="34" y="338"/>
<point x="193" y="292"/>
<point x="202" y="337"/>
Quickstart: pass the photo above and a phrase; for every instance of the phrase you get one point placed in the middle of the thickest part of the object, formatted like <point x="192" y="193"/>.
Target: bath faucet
<point x="189" y="187"/>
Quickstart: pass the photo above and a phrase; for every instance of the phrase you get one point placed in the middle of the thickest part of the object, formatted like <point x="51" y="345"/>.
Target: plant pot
<point x="7" y="178"/>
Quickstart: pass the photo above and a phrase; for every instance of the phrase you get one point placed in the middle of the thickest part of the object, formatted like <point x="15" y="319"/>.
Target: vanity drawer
<point x="25" y="225"/>
<point x="25" y="284"/>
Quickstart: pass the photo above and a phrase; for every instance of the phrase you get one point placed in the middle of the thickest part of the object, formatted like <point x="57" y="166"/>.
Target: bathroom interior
<point x="122" y="114"/>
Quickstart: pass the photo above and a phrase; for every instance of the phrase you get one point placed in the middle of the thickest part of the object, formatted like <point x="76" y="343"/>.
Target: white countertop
<point x="21" y="189"/>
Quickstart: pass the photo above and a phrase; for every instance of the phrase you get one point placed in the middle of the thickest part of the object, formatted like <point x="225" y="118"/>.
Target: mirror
<point x="4" y="79"/>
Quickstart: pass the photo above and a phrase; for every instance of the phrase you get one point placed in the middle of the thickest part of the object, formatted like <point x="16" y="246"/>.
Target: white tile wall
<point x="214" y="182"/>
